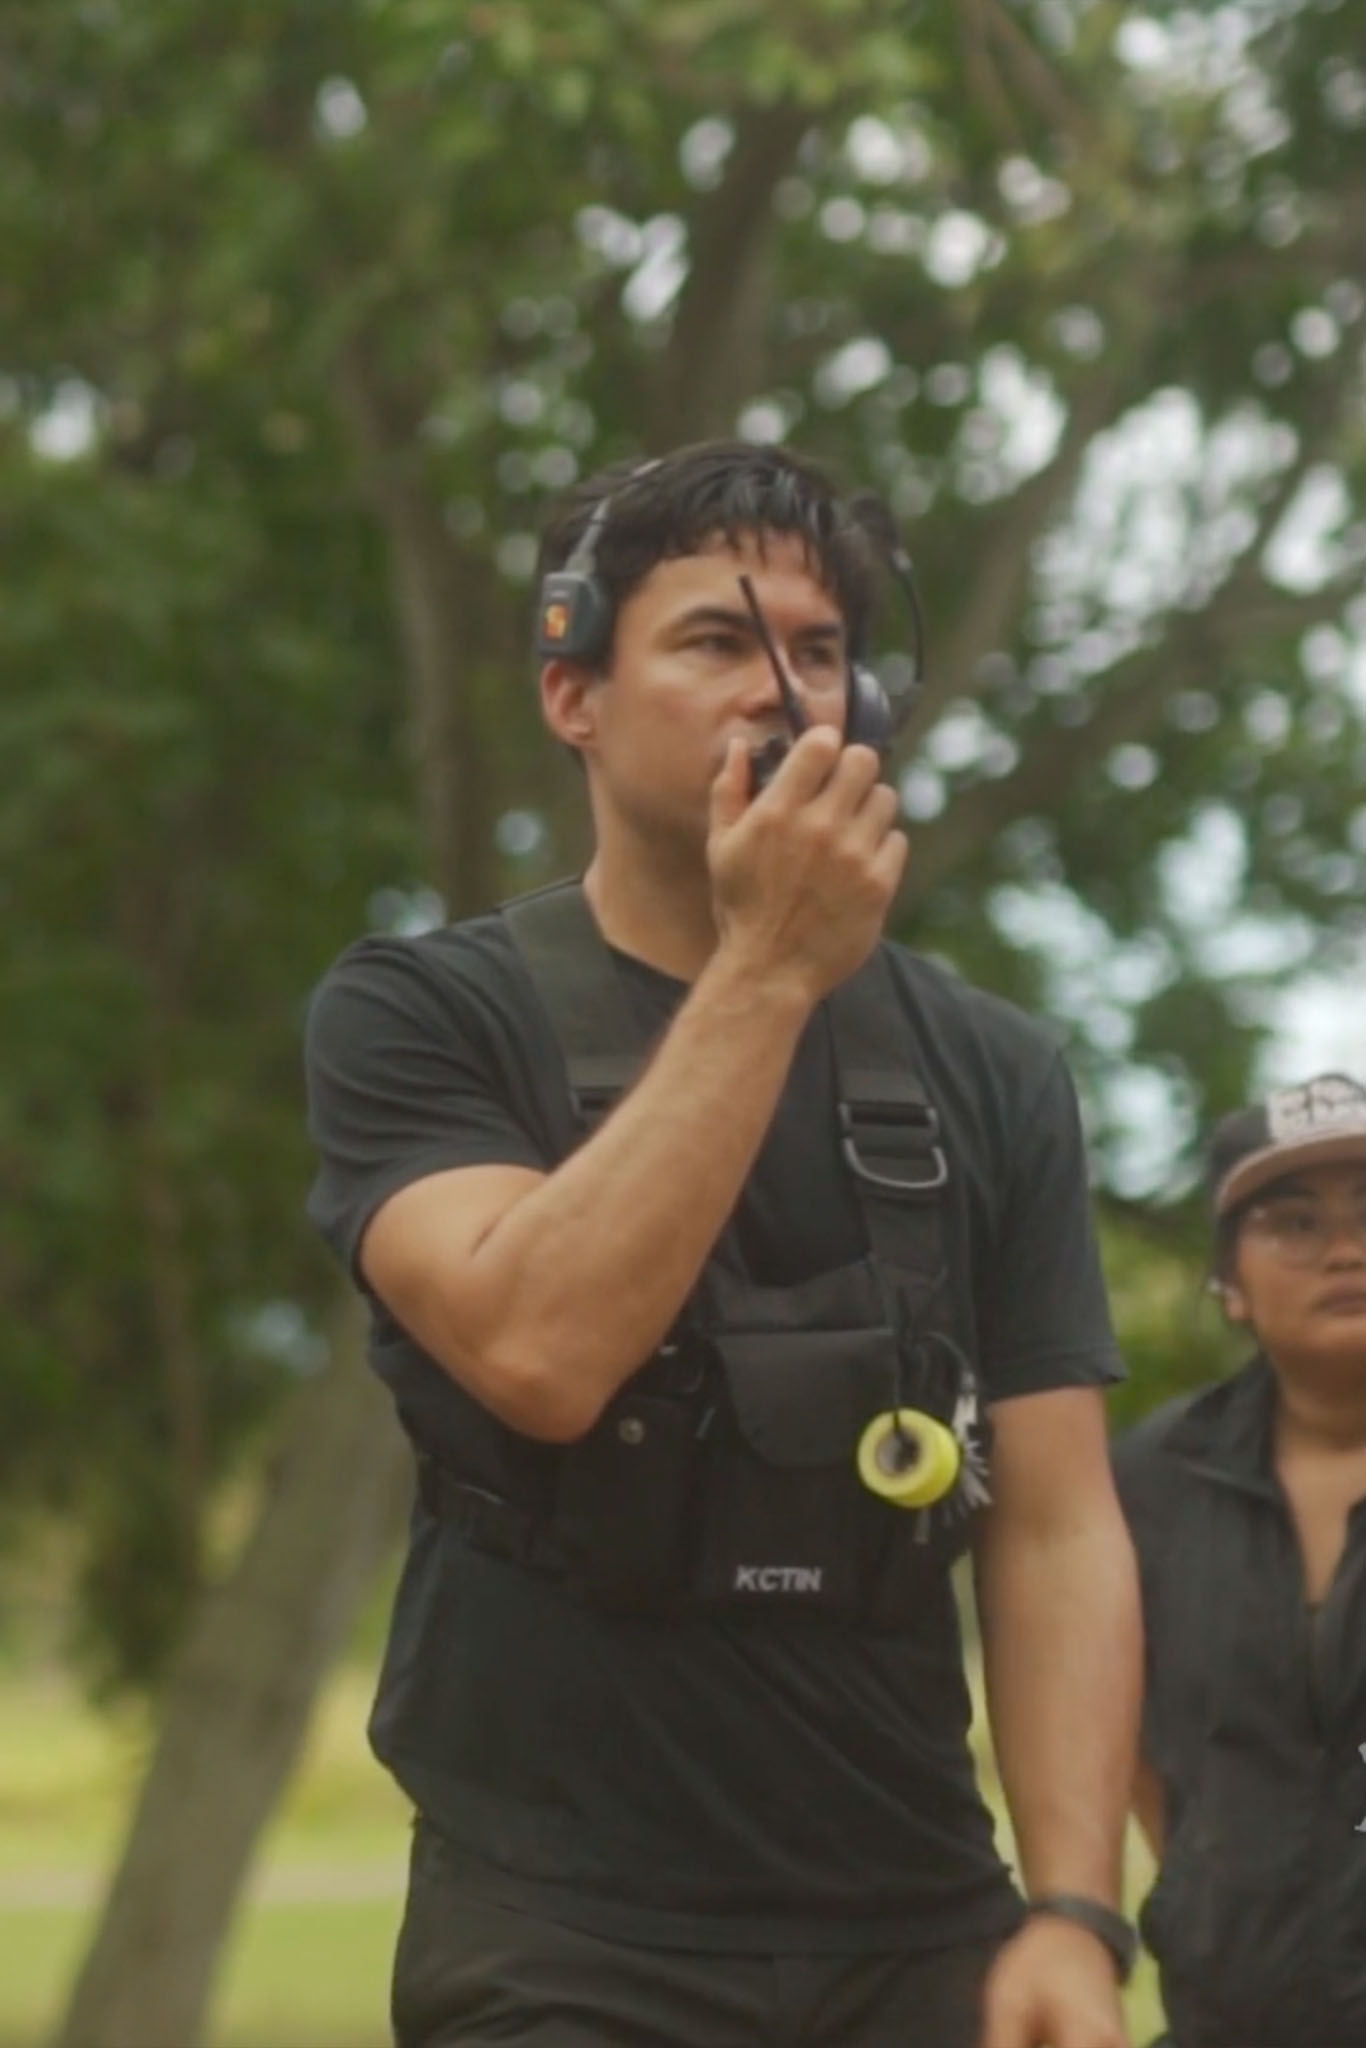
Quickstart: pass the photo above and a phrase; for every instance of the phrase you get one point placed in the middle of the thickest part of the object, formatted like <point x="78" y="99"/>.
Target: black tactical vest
<point x="726" y="1471"/>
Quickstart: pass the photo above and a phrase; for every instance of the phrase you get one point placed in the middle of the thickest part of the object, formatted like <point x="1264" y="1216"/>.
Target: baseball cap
<point x="1320" y="1123"/>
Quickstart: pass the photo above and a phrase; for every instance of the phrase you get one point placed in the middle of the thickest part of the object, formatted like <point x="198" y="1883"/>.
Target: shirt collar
<point x="1227" y="1430"/>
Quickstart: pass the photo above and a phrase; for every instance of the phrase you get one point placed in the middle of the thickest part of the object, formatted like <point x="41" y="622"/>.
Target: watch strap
<point x="1103" y="1921"/>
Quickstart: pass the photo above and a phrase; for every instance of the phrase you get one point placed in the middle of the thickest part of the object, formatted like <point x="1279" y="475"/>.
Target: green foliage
<point x="308" y="311"/>
<point x="1173" y="1334"/>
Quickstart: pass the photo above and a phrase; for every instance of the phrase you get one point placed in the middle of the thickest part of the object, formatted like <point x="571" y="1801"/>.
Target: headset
<point x="575" y="616"/>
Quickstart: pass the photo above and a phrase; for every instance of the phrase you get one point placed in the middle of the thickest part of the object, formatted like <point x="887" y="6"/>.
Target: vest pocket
<point x="625" y="1505"/>
<point x="801" y="1398"/>
<point x="782" y="1504"/>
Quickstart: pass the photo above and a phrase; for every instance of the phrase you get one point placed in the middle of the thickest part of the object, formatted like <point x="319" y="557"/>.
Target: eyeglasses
<point x="1303" y="1233"/>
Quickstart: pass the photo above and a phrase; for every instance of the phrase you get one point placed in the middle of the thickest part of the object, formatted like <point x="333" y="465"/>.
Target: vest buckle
<point x="917" y="1127"/>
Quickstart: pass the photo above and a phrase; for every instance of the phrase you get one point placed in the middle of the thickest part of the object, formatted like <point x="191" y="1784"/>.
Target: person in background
<point x="1247" y="1503"/>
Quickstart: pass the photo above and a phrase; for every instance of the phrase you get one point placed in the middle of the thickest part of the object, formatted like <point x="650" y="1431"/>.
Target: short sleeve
<point x="1046" y="1318"/>
<point x="403" y="1080"/>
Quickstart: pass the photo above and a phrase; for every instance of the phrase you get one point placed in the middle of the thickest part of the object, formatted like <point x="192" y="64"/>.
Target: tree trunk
<point x="715" y="358"/>
<point x="239" y="1703"/>
<point x="237" y="1709"/>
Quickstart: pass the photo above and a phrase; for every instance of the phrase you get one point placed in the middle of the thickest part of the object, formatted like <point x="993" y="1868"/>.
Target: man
<point x="1248" y="1507"/>
<point x="678" y="1699"/>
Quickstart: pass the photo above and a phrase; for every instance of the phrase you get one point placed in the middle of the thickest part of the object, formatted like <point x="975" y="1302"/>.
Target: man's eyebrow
<point x="737" y="619"/>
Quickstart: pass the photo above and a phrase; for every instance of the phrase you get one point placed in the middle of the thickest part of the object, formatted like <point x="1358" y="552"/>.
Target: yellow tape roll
<point x="908" y="1458"/>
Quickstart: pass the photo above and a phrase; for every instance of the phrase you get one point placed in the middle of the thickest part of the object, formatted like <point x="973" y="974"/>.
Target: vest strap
<point x="486" y="1520"/>
<point x="889" y="1130"/>
<point x="604" y="1044"/>
<point x="886" y="1118"/>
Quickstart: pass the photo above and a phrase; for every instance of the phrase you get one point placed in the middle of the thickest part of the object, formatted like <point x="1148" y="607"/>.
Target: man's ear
<point x="569" y="702"/>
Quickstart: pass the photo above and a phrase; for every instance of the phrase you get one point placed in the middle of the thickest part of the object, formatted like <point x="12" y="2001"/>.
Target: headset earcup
<point x="574" y="618"/>
<point x="868" y="720"/>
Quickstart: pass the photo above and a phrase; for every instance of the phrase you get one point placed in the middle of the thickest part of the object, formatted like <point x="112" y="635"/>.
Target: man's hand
<point x="803" y="876"/>
<point x="1052" y="1986"/>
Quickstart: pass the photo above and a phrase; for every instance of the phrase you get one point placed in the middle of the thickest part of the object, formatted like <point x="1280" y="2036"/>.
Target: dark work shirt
<point x="1254" y="1721"/>
<point x="711" y="1781"/>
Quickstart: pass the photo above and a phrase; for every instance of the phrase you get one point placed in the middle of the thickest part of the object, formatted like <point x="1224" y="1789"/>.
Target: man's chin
<point x="676" y="828"/>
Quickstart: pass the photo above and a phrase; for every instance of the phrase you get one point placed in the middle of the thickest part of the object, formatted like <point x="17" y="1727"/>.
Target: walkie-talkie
<point x="766" y="760"/>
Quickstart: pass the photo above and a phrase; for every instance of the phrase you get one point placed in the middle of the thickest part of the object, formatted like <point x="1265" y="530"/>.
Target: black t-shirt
<point x="717" y="1781"/>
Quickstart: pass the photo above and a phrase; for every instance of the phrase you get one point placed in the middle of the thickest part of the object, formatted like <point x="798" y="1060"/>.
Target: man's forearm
<point x="1061" y="1634"/>
<point x="587" y="1272"/>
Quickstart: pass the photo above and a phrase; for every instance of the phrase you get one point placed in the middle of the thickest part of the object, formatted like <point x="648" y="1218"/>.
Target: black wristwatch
<point x="1108" y="1926"/>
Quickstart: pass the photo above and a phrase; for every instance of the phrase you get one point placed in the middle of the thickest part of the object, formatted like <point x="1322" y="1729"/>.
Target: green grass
<point x="309" y="1977"/>
<point x="298" y="1971"/>
<point x="292" y="1976"/>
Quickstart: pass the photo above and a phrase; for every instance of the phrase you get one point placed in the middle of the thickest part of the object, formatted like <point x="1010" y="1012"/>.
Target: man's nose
<point x="763" y="691"/>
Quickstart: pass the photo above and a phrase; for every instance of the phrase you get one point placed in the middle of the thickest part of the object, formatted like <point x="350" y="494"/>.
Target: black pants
<point x="468" y="1975"/>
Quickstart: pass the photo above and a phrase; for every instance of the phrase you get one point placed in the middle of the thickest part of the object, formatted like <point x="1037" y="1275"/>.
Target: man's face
<point x="1299" y="1267"/>
<point x="689" y="674"/>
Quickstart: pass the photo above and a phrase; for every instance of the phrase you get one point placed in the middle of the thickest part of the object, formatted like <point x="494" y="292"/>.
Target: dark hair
<point x="684" y="500"/>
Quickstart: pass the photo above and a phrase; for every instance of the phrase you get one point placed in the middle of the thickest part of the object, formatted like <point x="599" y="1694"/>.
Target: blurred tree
<point x="305" y="312"/>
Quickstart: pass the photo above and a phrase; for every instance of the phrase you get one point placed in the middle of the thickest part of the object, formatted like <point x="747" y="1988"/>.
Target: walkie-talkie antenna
<point x="796" y="717"/>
